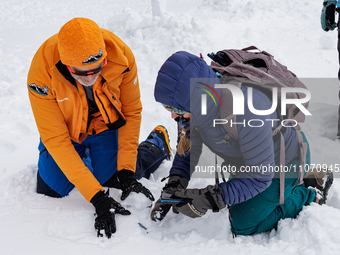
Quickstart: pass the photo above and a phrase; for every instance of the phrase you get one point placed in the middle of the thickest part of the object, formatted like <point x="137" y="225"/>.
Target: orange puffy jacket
<point x="61" y="111"/>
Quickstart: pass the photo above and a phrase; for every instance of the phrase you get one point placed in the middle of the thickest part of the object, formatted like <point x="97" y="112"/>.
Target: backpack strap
<point x="303" y="147"/>
<point x="260" y="51"/>
<point x="282" y="163"/>
<point x="303" y="154"/>
<point x="251" y="48"/>
<point x="226" y="110"/>
<point x="217" y="182"/>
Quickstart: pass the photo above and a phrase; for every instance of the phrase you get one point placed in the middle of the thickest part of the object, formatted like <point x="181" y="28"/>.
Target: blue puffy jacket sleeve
<point x="181" y="166"/>
<point x="257" y="148"/>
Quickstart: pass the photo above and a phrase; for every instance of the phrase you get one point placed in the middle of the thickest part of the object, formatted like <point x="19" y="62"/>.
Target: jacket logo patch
<point x="221" y="142"/>
<point x="93" y="59"/>
<point x="61" y="100"/>
<point x="135" y="81"/>
<point x="37" y="89"/>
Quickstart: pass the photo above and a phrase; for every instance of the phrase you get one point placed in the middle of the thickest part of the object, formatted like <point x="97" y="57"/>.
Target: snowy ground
<point x="289" y="30"/>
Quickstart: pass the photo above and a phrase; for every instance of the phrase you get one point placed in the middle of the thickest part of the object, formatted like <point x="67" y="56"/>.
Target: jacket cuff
<point x="125" y="174"/>
<point x="97" y="198"/>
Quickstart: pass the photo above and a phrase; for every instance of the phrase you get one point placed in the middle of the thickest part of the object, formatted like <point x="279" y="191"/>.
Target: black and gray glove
<point x="128" y="183"/>
<point x="106" y="207"/>
<point x="196" y="202"/>
<point x="328" y="15"/>
<point x="161" y="209"/>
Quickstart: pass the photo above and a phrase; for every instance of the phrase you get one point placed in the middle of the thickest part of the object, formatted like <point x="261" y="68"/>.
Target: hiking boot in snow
<point x="159" y="136"/>
<point x="319" y="180"/>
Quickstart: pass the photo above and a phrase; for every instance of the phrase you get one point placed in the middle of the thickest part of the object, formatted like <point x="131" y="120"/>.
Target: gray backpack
<point x="260" y="70"/>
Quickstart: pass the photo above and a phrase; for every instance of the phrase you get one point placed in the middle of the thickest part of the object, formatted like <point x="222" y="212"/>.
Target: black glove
<point x="128" y="183"/>
<point x="160" y="209"/>
<point x="106" y="207"/>
<point x="198" y="201"/>
<point x="328" y="15"/>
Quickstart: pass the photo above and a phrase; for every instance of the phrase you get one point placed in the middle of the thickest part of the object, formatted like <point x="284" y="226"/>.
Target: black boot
<point x="319" y="180"/>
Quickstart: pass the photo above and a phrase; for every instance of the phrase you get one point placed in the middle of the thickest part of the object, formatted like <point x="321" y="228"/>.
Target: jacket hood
<point x="173" y="81"/>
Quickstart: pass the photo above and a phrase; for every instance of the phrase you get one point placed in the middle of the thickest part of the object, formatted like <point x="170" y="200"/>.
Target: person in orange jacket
<point x="84" y="93"/>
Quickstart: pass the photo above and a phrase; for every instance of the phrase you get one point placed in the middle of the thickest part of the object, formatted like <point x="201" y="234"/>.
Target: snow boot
<point x="319" y="180"/>
<point x="160" y="137"/>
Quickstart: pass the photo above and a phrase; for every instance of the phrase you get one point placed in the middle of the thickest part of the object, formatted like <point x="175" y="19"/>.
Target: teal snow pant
<point x="262" y="212"/>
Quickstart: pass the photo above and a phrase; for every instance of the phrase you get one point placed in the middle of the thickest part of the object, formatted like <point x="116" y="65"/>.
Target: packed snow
<point x="154" y="29"/>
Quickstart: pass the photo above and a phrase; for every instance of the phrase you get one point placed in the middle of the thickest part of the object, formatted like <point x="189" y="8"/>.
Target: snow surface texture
<point x="154" y="29"/>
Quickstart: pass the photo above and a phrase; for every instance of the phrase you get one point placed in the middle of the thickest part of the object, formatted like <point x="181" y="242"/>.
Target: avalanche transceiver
<point x="167" y="199"/>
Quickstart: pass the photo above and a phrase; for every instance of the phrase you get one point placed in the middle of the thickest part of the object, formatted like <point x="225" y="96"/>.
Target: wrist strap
<point x="212" y="202"/>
